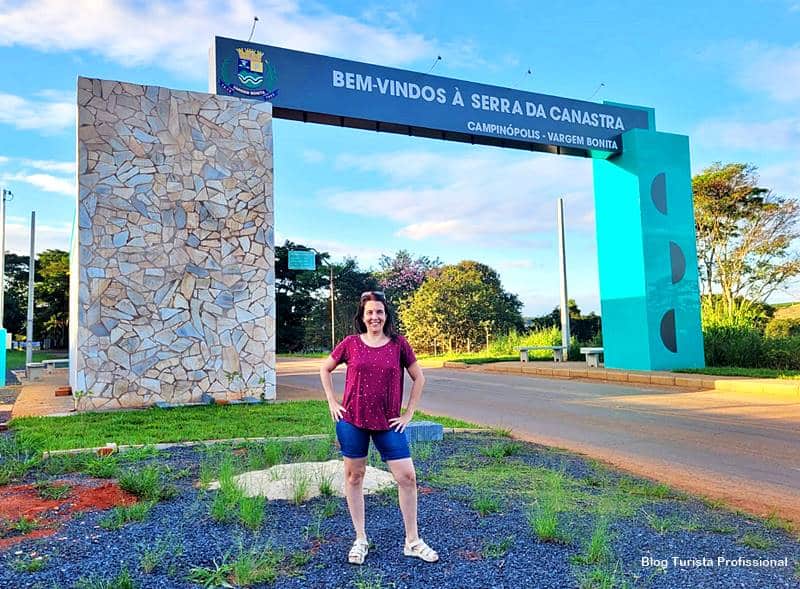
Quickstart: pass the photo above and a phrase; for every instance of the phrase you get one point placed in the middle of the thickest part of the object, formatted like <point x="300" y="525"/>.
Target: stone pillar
<point x="175" y="248"/>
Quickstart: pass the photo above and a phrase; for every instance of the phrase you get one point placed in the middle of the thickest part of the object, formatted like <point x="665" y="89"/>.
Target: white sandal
<point x="358" y="552"/>
<point x="419" y="549"/>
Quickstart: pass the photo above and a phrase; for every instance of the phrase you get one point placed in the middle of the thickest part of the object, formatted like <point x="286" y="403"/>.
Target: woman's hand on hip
<point x="336" y="409"/>
<point x="399" y="424"/>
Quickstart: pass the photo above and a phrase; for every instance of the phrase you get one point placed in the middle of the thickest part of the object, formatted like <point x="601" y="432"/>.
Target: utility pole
<point x="6" y="196"/>
<point x="562" y="263"/>
<point x="31" y="268"/>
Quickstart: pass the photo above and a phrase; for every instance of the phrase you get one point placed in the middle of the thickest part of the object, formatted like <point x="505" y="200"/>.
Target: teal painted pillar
<point x="647" y="254"/>
<point x="3" y="336"/>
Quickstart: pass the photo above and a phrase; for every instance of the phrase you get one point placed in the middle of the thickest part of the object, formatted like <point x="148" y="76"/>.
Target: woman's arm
<point x="326" y="376"/>
<point x="415" y="372"/>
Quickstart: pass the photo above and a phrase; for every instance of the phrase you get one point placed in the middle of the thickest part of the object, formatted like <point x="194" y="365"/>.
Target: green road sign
<point x="302" y="260"/>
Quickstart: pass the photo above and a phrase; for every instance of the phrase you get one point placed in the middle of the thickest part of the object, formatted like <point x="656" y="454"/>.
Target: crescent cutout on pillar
<point x="658" y="192"/>
<point x="668" y="336"/>
<point x="678" y="262"/>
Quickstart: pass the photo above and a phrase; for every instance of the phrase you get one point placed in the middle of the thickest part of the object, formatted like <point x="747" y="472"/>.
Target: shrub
<point x="781" y="328"/>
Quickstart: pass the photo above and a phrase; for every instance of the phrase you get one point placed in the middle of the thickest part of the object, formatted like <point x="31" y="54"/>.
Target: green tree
<point x="51" y="297"/>
<point x="744" y="235"/>
<point x="16" y="293"/>
<point x="296" y="294"/>
<point x="456" y="305"/>
<point x="349" y="281"/>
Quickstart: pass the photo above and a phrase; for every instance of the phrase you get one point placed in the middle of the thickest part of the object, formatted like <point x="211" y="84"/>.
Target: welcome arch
<point x="172" y="292"/>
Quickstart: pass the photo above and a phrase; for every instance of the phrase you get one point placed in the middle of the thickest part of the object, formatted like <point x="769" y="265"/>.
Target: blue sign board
<point x="315" y="88"/>
<point x="302" y="260"/>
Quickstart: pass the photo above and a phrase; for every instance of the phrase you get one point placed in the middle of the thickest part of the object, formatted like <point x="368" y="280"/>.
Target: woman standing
<point x="376" y="357"/>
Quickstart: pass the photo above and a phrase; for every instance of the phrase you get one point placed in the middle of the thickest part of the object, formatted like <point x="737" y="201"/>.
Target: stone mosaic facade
<point x="174" y="252"/>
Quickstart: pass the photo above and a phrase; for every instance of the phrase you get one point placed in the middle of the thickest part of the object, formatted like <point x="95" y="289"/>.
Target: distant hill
<point x="788" y="311"/>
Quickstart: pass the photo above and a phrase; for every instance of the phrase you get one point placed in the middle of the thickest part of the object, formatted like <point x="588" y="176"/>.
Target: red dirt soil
<point x="18" y="501"/>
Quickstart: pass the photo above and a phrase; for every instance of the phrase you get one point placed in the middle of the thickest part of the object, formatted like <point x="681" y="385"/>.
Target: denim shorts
<point x="354" y="442"/>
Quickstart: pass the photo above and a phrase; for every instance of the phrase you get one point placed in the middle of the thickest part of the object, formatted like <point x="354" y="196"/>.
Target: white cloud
<point x="44" y="115"/>
<point x="496" y="199"/>
<point x="176" y="36"/>
<point x="774" y="70"/>
<point x="780" y="134"/>
<point x="46" y="182"/>
<point x="50" y="165"/>
<point x="18" y="236"/>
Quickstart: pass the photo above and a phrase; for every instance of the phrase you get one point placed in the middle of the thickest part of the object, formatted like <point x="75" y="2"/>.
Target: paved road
<point x="736" y="447"/>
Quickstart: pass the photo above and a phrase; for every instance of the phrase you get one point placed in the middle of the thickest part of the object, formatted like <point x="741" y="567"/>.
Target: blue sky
<point x="727" y="75"/>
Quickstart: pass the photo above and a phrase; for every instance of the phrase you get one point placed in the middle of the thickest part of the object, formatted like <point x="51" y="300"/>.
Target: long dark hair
<point x="358" y="319"/>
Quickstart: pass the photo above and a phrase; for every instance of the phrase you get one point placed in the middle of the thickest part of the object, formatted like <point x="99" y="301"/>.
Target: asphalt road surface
<point x="741" y="448"/>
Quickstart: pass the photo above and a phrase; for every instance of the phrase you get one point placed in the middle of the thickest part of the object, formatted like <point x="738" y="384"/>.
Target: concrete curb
<point x="788" y="389"/>
<point x="111" y="447"/>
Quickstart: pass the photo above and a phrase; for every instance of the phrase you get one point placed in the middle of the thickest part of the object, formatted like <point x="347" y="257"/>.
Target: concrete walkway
<point x="38" y="398"/>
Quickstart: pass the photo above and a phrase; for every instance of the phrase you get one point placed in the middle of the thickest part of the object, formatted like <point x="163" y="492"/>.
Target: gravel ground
<point x="190" y="538"/>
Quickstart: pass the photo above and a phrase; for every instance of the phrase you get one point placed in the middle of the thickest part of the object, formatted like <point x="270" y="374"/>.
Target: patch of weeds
<point x="486" y="504"/>
<point x="226" y="502"/>
<point x="597" y="549"/>
<point x="325" y="483"/>
<point x="719" y="527"/>
<point x="257" y="565"/>
<point x="499" y="548"/>
<point x="421" y="451"/>
<point x="299" y="559"/>
<point x="65" y="463"/>
<point x="28" y="564"/>
<point x="123" y="580"/>
<point x="207" y="473"/>
<point x="163" y="551"/>
<point x="603" y="577"/>
<point x="367" y="579"/>
<point x="23" y="525"/>
<point x="646" y="489"/>
<point x="503" y="432"/>
<point x="123" y="514"/>
<point x="300" y="487"/>
<point x="251" y="511"/>
<point x="389" y="495"/>
<point x="149" y="483"/>
<point x="755" y="540"/>
<point x="713" y="503"/>
<point x="503" y="449"/>
<point x="52" y="491"/>
<point x="102" y="467"/>
<point x="774" y="522"/>
<point x="670" y="523"/>
<point x="263" y="456"/>
<point x="544" y="523"/>
<point x="138" y="454"/>
<point x="15" y="460"/>
<point x="797" y="570"/>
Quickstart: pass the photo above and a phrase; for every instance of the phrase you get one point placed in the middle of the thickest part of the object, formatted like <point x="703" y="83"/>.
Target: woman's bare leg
<point x="406" y="477"/>
<point x="354" y="469"/>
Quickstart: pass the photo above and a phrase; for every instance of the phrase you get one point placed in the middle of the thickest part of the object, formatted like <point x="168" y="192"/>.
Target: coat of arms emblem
<point x="253" y="76"/>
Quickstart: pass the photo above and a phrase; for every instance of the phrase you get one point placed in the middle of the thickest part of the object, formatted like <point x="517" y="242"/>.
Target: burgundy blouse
<point x="373" y="389"/>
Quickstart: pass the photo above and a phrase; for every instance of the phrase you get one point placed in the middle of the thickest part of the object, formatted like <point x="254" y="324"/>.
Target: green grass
<point x="670" y="523"/>
<point x="27" y="564"/>
<point x="248" y="568"/>
<point x="748" y="372"/>
<point x="149" y="483"/>
<point x="23" y="525"/>
<point x="773" y="522"/>
<point x="502" y="449"/>
<point x="182" y="424"/>
<point x="53" y="491"/>
<point x="597" y="550"/>
<point x="486" y="504"/>
<point x="498" y="549"/>
<point x="124" y="514"/>
<point x="755" y="540"/>
<point x="15" y="359"/>
<point x="602" y="577"/>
